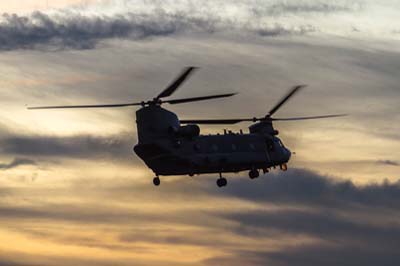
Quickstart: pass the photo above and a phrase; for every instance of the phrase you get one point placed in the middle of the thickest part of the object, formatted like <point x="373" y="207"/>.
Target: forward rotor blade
<point x="177" y="82"/>
<point x="306" y="117"/>
<point x="216" y="121"/>
<point x="84" y="106"/>
<point x="292" y="92"/>
<point x="202" y="98"/>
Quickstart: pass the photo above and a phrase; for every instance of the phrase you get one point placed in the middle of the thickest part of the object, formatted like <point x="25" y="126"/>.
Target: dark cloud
<point x="302" y="187"/>
<point x="119" y="146"/>
<point x="76" y="31"/>
<point x="4" y="262"/>
<point x="16" y="162"/>
<point x="388" y="162"/>
<point x="339" y="215"/>
<point x="320" y="254"/>
<point x="334" y="255"/>
<point x="320" y="224"/>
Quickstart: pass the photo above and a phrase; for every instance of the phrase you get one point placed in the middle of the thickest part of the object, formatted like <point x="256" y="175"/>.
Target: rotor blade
<point x="235" y="121"/>
<point x="84" y="106"/>
<point x="202" y="98"/>
<point x="306" y="117"/>
<point x="177" y="82"/>
<point x="216" y="121"/>
<point x="292" y="92"/>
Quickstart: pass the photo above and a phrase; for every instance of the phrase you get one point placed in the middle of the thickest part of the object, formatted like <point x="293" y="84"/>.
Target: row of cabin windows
<point x="214" y="147"/>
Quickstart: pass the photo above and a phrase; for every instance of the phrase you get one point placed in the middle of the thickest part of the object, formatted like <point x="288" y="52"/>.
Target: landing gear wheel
<point x="254" y="173"/>
<point x="222" y="182"/>
<point x="156" y="181"/>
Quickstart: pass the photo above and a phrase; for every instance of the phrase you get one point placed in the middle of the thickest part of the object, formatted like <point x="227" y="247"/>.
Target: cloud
<point x="334" y="255"/>
<point x="85" y="27"/>
<point x="320" y="224"/>
<point x="298" y="205"/>
<point x="70" y="146"/>
<point x="388" y="162"/>
<point x="16" y="163"/>
<point x="77" y="31"/>
<point x="302" y="187"/>
<point x="9" y="263"/>
<point x="342" y="215"/>
<point x="321" y="254"/>
<point x="285" y="8"/>
<point x="339" y="217"/>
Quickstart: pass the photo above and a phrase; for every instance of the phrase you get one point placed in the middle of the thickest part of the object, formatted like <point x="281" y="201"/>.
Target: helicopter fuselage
<point x="171" y="149"/>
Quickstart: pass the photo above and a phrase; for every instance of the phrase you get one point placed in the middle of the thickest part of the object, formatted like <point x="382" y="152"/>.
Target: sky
<point x="73" y="193"/>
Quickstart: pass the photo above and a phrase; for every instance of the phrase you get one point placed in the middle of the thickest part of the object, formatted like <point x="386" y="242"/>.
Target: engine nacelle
<point x="188" y="131"/>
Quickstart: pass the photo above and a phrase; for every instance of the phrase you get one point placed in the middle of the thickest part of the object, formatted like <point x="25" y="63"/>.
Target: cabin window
<point x="252" y="146"/>
<point x="234" y="147"/>
<point x="177" y="144"/>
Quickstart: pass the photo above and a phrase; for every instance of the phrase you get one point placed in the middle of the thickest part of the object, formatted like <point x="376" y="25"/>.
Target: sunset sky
<point x="72" y="191"/>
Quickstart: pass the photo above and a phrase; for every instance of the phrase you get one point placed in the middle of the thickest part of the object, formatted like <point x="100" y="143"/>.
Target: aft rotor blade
<point x="84" y="106"/>
<point x="202" y="98"/>
<point x="306" y="117"/>
<point x="176" y="83"/>
<point x="235" y="121"/>
<point x="292" y="92"/>
<point x="216" y="121"/>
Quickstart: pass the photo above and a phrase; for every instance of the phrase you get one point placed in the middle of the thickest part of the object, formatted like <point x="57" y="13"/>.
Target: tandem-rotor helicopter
<point x="170" y="146"/>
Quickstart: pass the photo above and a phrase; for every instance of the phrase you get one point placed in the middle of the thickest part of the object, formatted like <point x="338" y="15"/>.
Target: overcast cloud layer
<point x="72" y="193"/>
<point x="84" y="27"/>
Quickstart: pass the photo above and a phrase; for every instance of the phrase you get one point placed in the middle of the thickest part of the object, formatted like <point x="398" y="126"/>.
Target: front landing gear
<point x="221" y="181"/>
<point x="283" y="167"/>
<point x="156" y="181"/>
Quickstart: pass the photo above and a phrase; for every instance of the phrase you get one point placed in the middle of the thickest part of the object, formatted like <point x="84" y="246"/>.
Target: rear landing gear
<point x="156" y="181"/>
<point x="221" y="181"/>
<point x="254" y="173"/>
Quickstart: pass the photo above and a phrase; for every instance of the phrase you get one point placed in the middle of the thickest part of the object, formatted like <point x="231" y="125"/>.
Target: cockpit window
<point x="280" y="143"/>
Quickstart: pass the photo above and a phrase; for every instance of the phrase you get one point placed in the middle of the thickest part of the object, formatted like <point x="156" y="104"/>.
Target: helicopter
<point x="170" y="146"/>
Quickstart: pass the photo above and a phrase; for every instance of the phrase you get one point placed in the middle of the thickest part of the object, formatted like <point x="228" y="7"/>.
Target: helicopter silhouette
<point x="170" y="146"/>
